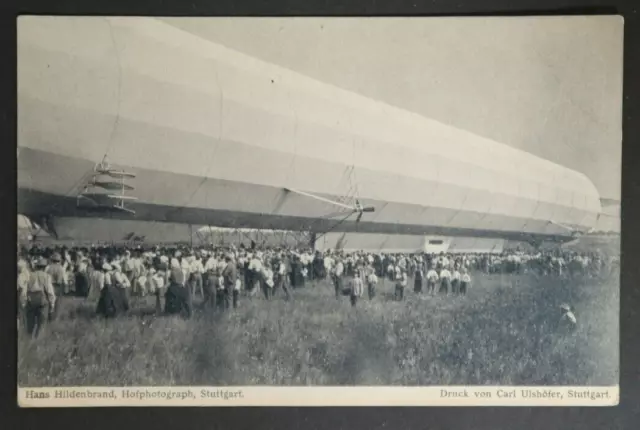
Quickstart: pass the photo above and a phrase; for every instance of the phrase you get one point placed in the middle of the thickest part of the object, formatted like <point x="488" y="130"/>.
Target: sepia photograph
<point x="281" y="210"/>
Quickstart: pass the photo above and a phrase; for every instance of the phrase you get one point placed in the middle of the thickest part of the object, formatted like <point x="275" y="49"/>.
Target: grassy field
<point x="503" y="332"/>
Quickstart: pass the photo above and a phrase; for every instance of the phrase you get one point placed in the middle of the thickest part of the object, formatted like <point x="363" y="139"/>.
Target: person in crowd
<point x="221" y="291"/>
<point x="267" y="283"/>
<point x="255" y="274"/>
<point x="159" y="280"/>
<point x="297" y="270"/>
<point x="372" y="281"/>
<point x="122" y="283"/>
<point x="319" y="266"/>
<point x="455" y="280"/>
<point x="280" y="277"/>
<point x="128" y="268"/>
<point x="418" y="279"/>
<point x="236" y="292"/>
<point x="391" y="270"/>
<point x="357" y="288"/>
<point x="144" y="279"/>
<point x="82" y="277"/>
<point x="178" y="295"/>
<point x="96" y="280"/>
<point x="337" y="277"/>
<point x="432" y="280"/>
<point x="230" y="275"/>
<point x="39" y="298"/>
<point x="112" y="302"/>
<point x="465" y="281"/>
<point x="329" y="262"/>
<point x="401" y="282"/>
<point x="58" y="275"/>
<point x="23" y="282"/>
<point x="445" y="281"/>
<point x="568" y="321"/>
<point x="196" y="270"/>
<point x="211" y="286"/>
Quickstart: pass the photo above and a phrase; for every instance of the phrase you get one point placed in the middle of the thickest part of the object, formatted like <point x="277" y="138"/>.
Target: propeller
<point x="572" y="231"/>
<point x="357" y="208"/>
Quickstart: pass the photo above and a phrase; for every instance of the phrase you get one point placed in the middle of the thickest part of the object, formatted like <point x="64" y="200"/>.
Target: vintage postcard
<point x="319" y="211"/>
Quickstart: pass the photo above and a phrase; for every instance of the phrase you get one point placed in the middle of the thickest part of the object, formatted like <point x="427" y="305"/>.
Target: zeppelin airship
<point x="133" y="125"/>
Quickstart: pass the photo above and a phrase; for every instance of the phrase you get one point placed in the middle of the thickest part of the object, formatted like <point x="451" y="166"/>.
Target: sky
<point x="551" y="86"/>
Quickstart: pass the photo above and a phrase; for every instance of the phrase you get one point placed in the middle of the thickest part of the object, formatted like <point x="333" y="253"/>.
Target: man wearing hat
<point x="39" y="297"/>
<point x="230" y="275"/>
<point x="58" y="276"/>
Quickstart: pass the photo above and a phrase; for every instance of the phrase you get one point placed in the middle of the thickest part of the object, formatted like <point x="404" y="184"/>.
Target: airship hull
<point x="215" y="137"/>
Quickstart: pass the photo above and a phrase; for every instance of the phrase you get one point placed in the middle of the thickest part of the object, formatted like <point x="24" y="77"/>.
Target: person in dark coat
<point x="220" y="294"/>
<point x="418" y="279"/>
<point x="111" y="302"/>
<point x="297" y="280"/>
<point x="210" y="289"/>
<point x="82" y="278"/>
<point x="318" y="266"/>
<point x="178" y="295"/>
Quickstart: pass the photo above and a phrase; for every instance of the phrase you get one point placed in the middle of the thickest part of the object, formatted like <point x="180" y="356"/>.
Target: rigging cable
<point x="119" y="89"/>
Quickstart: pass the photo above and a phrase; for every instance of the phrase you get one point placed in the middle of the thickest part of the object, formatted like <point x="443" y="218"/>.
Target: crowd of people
<point x="110" y="276"/>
